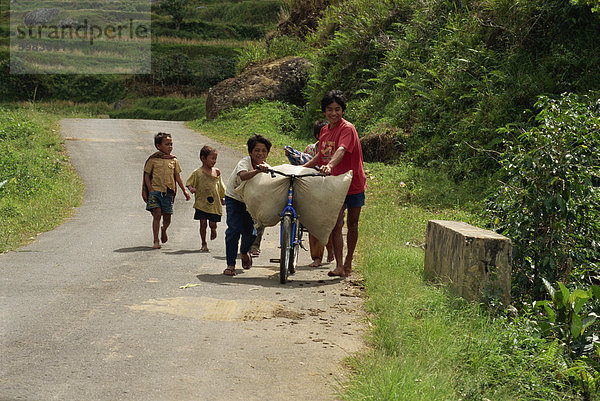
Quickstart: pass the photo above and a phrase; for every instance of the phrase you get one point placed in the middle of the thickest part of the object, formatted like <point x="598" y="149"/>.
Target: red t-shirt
<point x="344" y="134"/>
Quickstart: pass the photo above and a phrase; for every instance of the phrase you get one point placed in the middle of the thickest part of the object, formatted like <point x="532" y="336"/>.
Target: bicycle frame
<point x="289" y="209"/>
<point x="290" y="237"/>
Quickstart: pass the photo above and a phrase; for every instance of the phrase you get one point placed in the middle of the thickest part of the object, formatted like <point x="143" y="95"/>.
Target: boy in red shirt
<point x="339" y="152"/>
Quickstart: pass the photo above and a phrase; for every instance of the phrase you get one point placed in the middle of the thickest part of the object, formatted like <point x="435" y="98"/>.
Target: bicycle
<point x="291" y="231"/>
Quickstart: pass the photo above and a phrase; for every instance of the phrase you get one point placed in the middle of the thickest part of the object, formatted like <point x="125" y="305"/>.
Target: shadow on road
<point x="266" y="281"/>
<point x="134" y="249"/>
<point x="184" y="251"/>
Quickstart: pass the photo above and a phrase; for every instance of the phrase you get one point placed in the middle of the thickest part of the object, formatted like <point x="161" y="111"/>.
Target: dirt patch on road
<point x="205" y="308"/>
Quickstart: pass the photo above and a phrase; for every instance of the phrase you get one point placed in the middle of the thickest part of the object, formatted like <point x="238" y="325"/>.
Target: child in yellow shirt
<point x="161" y="173"/>
<point x="209" y="191"/>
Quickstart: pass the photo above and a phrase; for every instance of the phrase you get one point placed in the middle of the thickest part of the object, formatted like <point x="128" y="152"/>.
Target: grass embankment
<point x="38" y="186"/>
<point x="424" y="344"/>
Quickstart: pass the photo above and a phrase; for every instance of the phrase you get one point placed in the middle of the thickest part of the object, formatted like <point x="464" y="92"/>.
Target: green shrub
<point x="77" y="88"/>
<point x="549" y="204"/>
<point x="262" y="12"/>
<point x="572" y="319"/>
<point x="163" y="108"/>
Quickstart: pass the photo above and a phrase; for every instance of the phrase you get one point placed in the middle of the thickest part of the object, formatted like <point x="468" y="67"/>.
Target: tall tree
<point x="177" y="9"/>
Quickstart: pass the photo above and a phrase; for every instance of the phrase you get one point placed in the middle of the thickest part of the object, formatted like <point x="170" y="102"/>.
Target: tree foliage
<point x="549" y="204"/>
<point x="177" y="9"/>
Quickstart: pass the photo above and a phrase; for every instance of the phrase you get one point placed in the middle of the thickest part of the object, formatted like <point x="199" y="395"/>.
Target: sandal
<point x="229" y="271"/>
<point x="246" y="264"/>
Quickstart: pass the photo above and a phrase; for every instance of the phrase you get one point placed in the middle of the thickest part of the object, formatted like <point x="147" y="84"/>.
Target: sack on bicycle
<point x="317" y="200"/>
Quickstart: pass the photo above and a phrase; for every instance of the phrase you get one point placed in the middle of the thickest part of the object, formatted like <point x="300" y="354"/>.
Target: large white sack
<point x="265" y="197"/>
<point x="317" y="200"/>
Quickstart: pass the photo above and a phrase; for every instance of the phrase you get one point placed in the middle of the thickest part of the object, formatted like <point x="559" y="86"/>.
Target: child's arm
<point x="191" y="188"/>
<point x="335" y="160"/>
<point x="311" y="163"/>
<point x="246" y="175"/>
<point x="180" y="183"/>
<point x="148" y="181"/>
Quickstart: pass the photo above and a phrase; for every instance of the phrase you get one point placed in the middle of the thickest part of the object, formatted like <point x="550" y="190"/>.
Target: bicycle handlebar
<point x="273" y="172"/>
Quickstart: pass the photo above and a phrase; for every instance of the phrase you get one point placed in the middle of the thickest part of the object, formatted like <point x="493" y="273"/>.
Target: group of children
<point x="162" y="174"/>
<point x="336" y="152"/>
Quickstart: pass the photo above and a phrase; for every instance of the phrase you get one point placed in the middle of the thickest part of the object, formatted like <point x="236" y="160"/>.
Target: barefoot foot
<point x="246" y="261"/>
<point x="156" y="245"/>
<point x="163" y="235"/>
<point x="315" y="263"/>
<point x="204" y="248"/>
<point x="339" y="272"/>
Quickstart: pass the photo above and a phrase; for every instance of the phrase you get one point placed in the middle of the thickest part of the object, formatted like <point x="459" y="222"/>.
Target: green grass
<point x="424" y="343"/>
<point x="162" y="108"/>
<point x="427" y="344"/>
<point x="38" y="186"/>
<point x="275" y="120"/>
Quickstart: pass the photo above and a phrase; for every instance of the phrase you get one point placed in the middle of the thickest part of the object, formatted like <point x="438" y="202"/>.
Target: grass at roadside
<point x="161" y="108"/>
<point x="38" y="186"/>
<point x="424" y="343"/>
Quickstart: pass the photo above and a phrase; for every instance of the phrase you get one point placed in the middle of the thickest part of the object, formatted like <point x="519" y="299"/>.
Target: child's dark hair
<point x="333" y="96"/>
<point x="207" y="150"/>
<point x="317" y="127"/>
<point x="256" y="138"/>
<point x="158" y="138"/>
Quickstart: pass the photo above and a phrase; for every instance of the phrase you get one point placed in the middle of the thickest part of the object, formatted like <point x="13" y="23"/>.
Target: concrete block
<point x="475" y="263"/>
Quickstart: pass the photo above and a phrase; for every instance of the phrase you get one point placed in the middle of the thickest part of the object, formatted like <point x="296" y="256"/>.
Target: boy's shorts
<point x="200" y="215"/>
<point x="355" y="200"/>
<point x="163" y="200"/>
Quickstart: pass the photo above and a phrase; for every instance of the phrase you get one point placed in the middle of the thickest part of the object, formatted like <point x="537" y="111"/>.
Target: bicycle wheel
<point x="287" y="248"/>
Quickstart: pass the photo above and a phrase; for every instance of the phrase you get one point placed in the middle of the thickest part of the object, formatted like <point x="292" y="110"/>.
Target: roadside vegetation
<point x="425" y="343"/>
<point x="38" y="186"/>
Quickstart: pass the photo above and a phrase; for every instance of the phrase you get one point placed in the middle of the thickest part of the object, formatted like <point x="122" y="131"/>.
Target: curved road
<point x="91" y="312"/>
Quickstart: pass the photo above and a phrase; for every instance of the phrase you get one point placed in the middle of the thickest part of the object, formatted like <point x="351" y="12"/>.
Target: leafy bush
<point x="253" y="12"/>
<point x="77" y="88"/>
<point x="549" y="205"/>
<point x="572" y="319"/>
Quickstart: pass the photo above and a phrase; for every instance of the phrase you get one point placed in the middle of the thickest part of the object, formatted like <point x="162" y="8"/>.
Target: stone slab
<point x="475" y="263"/>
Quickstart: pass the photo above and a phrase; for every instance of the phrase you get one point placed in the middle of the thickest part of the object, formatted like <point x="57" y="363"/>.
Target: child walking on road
<point x="239" y="221"/>
<point x="161" y="174"/>
<point x="207" y="186"/>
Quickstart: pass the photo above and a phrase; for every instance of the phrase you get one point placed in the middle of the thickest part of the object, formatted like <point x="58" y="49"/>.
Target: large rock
<point x="281" y="79"/>
<point x="40" y="16"/>
<point x="474" y="262"/>
<point x="386" y="143"/>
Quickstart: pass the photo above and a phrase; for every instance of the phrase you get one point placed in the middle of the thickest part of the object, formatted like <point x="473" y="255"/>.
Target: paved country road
<point x="90" y="312"/>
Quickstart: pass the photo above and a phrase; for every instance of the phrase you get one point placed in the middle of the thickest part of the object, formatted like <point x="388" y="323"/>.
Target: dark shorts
<point x="162" y="200"/>
<point x="355" y="200"/>
<point x="200" y="215"/>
